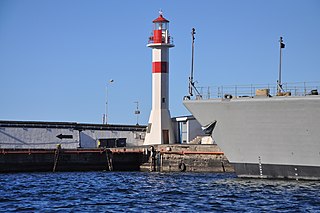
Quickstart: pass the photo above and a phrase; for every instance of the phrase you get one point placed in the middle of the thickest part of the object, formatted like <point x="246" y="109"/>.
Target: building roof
<point x="160" y="19"/>
<point x="71" y="125"/>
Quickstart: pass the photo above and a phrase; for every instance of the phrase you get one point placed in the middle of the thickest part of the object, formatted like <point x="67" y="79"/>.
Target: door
<point x="165" y="135"/>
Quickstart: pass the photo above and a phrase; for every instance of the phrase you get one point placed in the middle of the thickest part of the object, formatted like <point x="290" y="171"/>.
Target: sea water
<point x="153" y="192"/>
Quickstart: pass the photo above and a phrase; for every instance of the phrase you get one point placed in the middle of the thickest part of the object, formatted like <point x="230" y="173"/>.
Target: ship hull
<point x="277" y="171"/>
<point x="264" y="137"/>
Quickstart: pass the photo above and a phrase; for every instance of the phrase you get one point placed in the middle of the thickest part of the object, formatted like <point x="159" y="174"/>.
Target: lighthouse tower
<point x="159" y="130"/>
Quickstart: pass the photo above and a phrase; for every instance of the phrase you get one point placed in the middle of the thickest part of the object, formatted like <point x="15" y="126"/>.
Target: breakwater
<point x="161" y="158"/>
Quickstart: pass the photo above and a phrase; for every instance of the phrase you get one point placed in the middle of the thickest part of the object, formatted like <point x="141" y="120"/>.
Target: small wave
<point x="144" y="192"/>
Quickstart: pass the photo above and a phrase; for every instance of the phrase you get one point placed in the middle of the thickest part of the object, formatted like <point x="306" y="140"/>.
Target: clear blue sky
<point x="56" y="57"/>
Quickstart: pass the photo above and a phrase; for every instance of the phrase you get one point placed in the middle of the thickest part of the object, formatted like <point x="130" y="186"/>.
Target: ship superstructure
<point x="263" y="136"/>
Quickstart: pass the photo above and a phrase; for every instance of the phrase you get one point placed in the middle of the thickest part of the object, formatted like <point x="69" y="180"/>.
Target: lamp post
<point x="137" y="112"/>
<point x="107" y="115"/>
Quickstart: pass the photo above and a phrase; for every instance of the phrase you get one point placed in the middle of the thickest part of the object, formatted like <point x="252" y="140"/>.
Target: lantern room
<point x="160" y="31"/>
<point x="161" y="23"/>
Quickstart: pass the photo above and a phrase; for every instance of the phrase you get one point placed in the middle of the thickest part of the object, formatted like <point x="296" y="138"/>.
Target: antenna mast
<point x="191" y="82"/>
<point x="279" y="84"/>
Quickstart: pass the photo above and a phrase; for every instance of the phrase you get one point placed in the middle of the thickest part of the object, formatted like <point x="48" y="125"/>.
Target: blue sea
<point x="153" y="192"/>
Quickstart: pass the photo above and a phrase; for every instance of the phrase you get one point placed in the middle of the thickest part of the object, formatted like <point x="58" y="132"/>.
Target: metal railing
<point x="249" y="90"/>
<point x="169" y="41"/>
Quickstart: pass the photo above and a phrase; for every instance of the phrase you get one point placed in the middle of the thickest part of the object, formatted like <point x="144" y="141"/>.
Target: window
<point x="149" y="127"/>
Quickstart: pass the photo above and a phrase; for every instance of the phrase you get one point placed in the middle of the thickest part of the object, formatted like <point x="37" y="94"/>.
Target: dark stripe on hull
<point x="277" y="171"/>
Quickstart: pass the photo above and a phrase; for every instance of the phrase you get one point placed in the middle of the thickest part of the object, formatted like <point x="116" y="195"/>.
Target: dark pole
<point x="191" y="83"/>
<point x="279" y="86"/>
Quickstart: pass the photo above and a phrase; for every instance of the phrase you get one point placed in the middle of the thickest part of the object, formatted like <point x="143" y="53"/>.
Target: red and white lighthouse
<point x="159" y="129"/>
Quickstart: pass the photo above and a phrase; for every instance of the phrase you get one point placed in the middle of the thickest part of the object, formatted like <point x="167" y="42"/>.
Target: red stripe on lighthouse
<point x="160" y="67"/>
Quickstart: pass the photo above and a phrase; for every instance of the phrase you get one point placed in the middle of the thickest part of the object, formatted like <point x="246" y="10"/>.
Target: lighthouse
<point x="159" y="130"/>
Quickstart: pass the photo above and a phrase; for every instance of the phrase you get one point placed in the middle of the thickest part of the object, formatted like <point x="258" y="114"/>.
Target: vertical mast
<point x="279" y="84"/>
<point x="191" y="83"/>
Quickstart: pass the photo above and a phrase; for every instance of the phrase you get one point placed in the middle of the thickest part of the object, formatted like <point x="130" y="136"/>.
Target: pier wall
<point x="57" y="160"/>
<point x="162" y="158"/>
<point x="187" y="158"/>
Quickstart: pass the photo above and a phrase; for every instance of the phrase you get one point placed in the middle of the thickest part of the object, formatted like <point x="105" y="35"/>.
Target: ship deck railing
<point x="249" y="90"/>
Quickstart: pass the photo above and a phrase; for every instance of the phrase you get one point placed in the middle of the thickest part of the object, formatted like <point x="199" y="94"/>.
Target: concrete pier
<point x="32" y="146"/>
<point x="57" y="160"/>
<point x="158" y="158"/>
<point x="186" y="158"/>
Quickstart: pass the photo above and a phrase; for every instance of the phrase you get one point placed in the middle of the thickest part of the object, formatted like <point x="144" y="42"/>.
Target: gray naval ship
<point x="262" y="135"/>
<point x="265" y="131"/>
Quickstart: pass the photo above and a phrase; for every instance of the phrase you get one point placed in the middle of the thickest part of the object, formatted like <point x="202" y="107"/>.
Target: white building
<point x="46" y="135"/>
